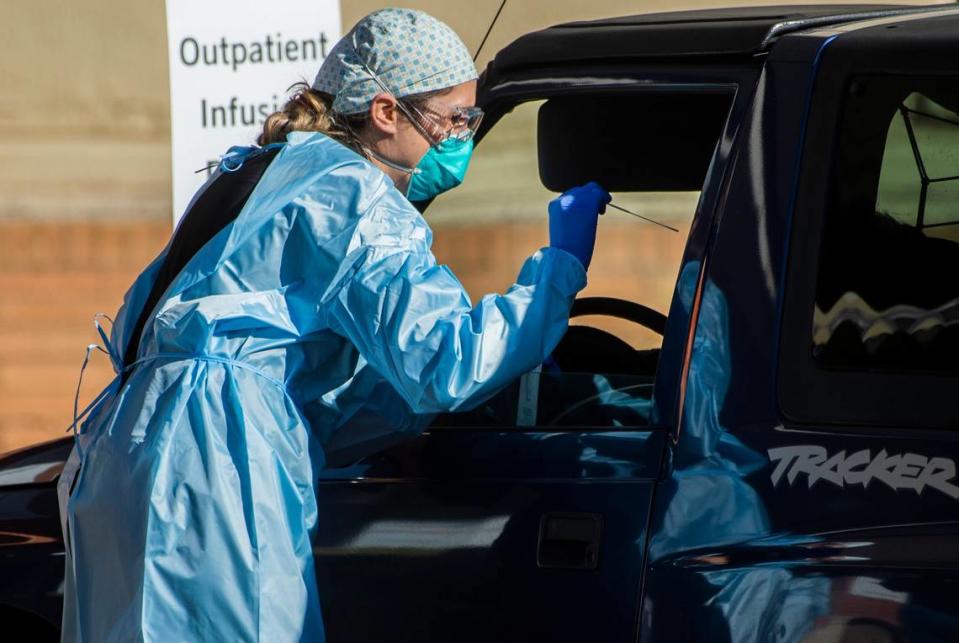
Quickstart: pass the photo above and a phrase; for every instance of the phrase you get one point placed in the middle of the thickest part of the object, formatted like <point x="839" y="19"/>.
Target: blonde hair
<point x="310" y="110"/>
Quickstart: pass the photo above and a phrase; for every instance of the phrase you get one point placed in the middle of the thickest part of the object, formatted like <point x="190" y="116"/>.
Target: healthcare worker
<point x="297" y="311"/>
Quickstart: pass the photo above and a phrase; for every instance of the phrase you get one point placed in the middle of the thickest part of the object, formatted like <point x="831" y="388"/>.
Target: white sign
<point x="231" y="62"/>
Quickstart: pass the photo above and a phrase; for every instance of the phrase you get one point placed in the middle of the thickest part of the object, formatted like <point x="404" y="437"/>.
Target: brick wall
<point x="54" y="276"/>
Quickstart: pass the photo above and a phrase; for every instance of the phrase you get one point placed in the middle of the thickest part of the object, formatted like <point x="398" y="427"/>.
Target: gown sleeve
<point x="412" y="320"/>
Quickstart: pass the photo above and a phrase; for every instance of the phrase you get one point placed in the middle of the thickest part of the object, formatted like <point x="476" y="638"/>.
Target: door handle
<point x="569" y="541"/>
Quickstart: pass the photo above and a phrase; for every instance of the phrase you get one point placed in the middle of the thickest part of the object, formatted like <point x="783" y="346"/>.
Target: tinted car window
<point x="887" y="299"/>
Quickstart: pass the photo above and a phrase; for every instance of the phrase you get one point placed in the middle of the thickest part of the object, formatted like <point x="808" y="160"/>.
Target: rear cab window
<point x="886" y="299"/>
<point x="883" y="325"/>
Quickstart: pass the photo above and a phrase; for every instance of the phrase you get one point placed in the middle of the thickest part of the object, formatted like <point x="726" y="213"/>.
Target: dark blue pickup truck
<point x="782" y="467"/>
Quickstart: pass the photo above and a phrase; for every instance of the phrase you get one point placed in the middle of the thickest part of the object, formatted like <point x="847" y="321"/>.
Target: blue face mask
<point x="441" y="169"/>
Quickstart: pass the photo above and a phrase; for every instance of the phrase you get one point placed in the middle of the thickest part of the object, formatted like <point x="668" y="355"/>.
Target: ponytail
<point x="309" y="110"/>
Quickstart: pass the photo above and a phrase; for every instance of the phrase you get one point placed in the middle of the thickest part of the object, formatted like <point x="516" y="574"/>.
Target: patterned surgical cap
<point x="409" y="52"/>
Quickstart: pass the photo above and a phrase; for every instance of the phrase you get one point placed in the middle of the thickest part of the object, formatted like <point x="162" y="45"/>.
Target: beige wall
<point x="83" y="68"/>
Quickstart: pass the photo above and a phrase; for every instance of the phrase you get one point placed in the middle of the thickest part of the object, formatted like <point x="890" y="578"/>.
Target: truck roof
<point x="733" y="33"/>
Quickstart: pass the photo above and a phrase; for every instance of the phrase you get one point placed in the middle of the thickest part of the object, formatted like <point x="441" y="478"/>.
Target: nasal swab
<point x="613" y="205"/>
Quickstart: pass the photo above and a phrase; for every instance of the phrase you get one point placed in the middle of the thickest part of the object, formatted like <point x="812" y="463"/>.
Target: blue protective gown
<point x="317" y="322"/>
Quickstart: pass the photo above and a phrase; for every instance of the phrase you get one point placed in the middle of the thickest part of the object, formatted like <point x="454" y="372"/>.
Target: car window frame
<point x="499" y="96"/>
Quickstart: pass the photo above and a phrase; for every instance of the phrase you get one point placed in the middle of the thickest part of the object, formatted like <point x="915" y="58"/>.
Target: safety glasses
<point x="462" y="121"/>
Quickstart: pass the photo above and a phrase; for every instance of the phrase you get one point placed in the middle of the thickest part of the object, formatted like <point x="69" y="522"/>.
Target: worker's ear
<point x="384" y="114"/>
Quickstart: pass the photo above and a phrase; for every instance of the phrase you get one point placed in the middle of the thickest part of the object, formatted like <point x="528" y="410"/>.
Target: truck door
<point x="812" y="490"/>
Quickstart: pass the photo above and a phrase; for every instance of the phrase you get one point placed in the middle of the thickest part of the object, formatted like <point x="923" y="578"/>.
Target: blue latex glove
<point x="572" y="220"/>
